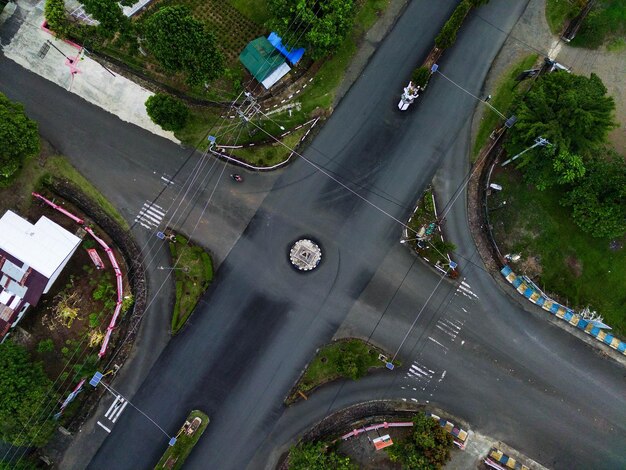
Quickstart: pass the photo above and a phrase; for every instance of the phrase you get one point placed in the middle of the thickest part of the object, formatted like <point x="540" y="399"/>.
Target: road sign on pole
<point x="95" y="380"/>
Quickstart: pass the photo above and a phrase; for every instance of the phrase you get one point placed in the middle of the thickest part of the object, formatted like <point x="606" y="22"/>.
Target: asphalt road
<point x="509" y="373"/>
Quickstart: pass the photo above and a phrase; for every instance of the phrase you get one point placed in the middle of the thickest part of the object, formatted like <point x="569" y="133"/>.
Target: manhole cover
<point x="305" y="255"/>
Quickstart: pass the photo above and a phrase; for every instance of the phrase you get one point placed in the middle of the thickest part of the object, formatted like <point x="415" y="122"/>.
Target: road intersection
<point x="473" y="351"/>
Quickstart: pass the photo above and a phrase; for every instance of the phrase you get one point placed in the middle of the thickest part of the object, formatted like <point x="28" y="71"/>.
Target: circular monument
<point x="305" y="255"/>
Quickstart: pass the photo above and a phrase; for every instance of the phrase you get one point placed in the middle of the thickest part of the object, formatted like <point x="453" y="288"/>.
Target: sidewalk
<point x="27" y="45"/>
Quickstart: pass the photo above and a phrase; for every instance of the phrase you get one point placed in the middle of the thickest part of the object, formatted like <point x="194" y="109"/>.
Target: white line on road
<point x="437" y="342"/>
<point x="104" y="427"/>
<point x="114" y="405"/>
<point x="119" y="412"/>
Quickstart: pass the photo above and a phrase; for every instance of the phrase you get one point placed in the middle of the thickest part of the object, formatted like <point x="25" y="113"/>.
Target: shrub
<point x="447" y="35"/>
<point x="45" y="346"/>
<point x="54" y="12"/>
<point x="420" y="76"/>
<point x="168" y="112"/>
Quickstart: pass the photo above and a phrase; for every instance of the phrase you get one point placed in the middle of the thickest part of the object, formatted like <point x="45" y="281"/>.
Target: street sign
<point x="434" y="68"/>
<point x="172" y="441"/>
<point x="160" y="235"/>
<point x="389" y="366"/>
<point x="95" y="380"/>
<point x="453" y="265"/>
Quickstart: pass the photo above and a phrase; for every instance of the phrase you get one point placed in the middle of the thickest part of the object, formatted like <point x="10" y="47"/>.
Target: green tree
<point x="428" y="446"/>
<point x="19" y="137"/>
<point x="182" y="43"/>
<point x="166" y="111"/>
<point x="598" y="201"/>
<point x="321" y="25"/>
<point x="572" y="111"/>
<point x="551" y="167"/>
<point x="45" y="346"/>
<point x="316" y="456"/>
<point x="110" y="15"/>
<point x="54" y="12"/>
<point x="24" y="388"/>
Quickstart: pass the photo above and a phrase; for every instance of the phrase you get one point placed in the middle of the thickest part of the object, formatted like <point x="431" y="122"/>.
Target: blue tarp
<point x="293" y="55"/>
<point x="505" y="271"/>
<point x="582" y="324"/>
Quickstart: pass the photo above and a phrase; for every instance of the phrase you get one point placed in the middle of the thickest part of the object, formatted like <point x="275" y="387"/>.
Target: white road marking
<point x="150" y="215"/>
<point x="119" y="412"/>
<point x="117" y="402"/>
<point x="104" y="427"/>
<point x="437" y="342"/>
<point x="167" y="181"/>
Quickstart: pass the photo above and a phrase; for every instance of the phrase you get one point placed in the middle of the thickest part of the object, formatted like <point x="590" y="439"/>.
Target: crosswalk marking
<point x="104" y="427"/>
<point x="116" y="409"/>
<point x="150" y="215"/>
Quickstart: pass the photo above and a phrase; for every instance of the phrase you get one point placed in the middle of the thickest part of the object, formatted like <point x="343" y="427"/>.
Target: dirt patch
<point x="574" y="265"/>
<point x="531" y="266"/>
<point x="63" y="340"/>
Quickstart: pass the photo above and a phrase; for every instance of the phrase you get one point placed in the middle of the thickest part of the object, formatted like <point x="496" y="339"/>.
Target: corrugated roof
<point x="43" y="246"/>
<point x="261" y="58"/>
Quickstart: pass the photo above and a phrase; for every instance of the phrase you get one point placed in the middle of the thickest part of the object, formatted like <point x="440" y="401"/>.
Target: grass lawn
<point x="334" y="360"/>
<point x="606" y="21"/>
<point x="577" y="269"/>
<point x="18" y="195"/>
<point x="255" y="10"/>
<point x="558" y="12"/>
<point x="268" y="155"/>
<point x="178" y="453"/>
<point x="503" y="97"/>
<point x="193" y="275"/>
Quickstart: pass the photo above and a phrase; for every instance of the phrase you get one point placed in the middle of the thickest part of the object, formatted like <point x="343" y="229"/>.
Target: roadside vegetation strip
<point x="606" y="21"/>
<point x="193" y="272"/>
<point x="585" y="271"/>
<point x="350" y="358"/>
<point x="559" y="12"/>
<point x="188" y="436"/>
<point x="508" y="90"/>
<point x="433" y="249"/>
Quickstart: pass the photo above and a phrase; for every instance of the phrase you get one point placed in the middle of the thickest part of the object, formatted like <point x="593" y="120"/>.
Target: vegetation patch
<point x="431" y="247"/>
<point x="606" y="20"/>
<point x="508" y="91"/>
<point x="350" y="358"/>
<point x="270" y="154"/>
<point x="188" y="436"/>
<point x="193" y="272"/>
<point x="317" y="456"/>
<point x="573" y="267"/>
<point x="559" y="12"/>
<point x="427" y="447"/>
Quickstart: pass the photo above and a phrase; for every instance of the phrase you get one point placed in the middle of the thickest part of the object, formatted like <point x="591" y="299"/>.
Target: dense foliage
<point x="19" y="137"/>
<point x="575" y="114"/>
<point x="54" y="12"/>
<point x="572" y="111"/>
<point x="428" y="446"/>
<point x="318" y="25"/>
<point x="309" y="456"/>
<point x="182" y="43"/>
<point x="447" y="35"/>
<point x="166" y="111"/>
<point x="598" y="201"/>
<point x="109" y="14"/>
<point x="25" y="396"/>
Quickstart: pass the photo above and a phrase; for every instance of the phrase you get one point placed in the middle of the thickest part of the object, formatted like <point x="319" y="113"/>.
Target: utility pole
<point x="249" y="108"/>
<point x="539" y="142"/>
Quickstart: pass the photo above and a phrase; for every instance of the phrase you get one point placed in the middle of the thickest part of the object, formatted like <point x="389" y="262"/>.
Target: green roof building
<point x="264" y="62"/>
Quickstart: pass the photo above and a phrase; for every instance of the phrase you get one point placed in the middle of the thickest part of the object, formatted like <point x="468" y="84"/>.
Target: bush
<point x="45" y="346"/>
<point x="54" y="11"/>
<point x="19" y="136"/>
<point x="168" y="112"/>
<point x="420" y="76"/>
<point x="447" y="35"/>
